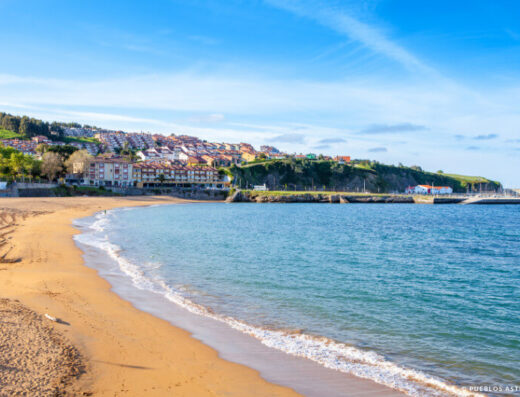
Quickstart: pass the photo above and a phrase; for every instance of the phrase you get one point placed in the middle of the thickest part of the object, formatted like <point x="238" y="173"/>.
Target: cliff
<point x="302" y="174"/>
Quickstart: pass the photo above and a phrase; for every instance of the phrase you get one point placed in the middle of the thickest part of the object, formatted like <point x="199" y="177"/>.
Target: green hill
<point x="6" y="134"/>
<point x="303" y="174"/>
<point x="465" y="179"/>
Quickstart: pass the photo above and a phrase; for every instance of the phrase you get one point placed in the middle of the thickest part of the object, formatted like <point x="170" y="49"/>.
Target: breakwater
<point x="246" y="196"/>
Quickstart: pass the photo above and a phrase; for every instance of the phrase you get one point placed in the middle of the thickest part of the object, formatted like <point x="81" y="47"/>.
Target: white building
<point x="162" y="153"/>
<point x="428" y="189"/>
<point x="106" y="172"/>
<point x="261" y="188"/>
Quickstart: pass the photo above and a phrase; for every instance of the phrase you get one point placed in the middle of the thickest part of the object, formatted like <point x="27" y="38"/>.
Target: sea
<point x="423" y="299"/>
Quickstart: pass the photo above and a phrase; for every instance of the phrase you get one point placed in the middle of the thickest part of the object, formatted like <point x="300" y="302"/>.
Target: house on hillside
<point x="342" y="159"/>
<point x="162" y="153"/>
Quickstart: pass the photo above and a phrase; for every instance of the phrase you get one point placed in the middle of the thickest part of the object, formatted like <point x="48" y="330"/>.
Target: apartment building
<point x="148" y="174"/>
<point x="101" y="171"/>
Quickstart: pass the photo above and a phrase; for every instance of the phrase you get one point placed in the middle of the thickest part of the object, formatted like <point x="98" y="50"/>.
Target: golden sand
<point x="102" y="346"/>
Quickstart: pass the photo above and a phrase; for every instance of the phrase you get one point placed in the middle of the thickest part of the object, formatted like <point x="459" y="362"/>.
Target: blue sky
<point x="435" y="84"/>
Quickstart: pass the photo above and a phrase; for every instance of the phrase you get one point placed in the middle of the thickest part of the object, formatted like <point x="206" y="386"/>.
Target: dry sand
<point x="103" y="346"/>
<point x="35" y="360"/>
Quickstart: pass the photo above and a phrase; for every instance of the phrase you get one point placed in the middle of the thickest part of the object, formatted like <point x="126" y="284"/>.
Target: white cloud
<point x="207" y="118"/>
<point x="258" y="109"/>
<point x="340" y="20"/>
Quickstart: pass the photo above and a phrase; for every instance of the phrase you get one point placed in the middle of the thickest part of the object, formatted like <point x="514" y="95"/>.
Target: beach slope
<point x="107" y="347"/>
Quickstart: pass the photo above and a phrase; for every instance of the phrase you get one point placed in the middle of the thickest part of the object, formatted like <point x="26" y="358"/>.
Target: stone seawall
<point x="267" y="197"/>
<point x="246" y="197"/>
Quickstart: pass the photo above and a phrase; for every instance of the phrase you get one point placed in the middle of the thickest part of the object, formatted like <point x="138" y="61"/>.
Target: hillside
<point x="6" y="134"/>
<point x="28" y="127"/>
<point x="301" y="174"/>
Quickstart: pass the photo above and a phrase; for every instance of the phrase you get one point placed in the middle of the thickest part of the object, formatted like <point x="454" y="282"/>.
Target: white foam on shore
<point x="327" y="352"/>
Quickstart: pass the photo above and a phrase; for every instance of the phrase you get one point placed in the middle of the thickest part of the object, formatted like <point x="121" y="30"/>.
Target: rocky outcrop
<point x="238" y="197"/>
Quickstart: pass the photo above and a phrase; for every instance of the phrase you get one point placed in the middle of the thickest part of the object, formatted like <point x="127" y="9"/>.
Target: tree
<point x="17" y="164"/>
<point x="41" y="148"/>
<point x="24" y="125"/>
<point x="34" y="168"/>
<point x="64" y="151"/>
<point x="52" y="165"/>
<point x="57" y="128"/>
<point x="81" y="158"/>
<point x="161" y="178"/>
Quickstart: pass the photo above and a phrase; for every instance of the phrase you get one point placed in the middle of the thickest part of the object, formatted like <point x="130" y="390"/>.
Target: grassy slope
<point x="70" y="139"/>
<point x="6" y="134"/>
<point x="469" y="179"/>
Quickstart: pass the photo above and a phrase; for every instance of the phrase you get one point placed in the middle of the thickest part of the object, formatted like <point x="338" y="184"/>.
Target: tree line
<point x="30" y="127"/>
<point x="55" y="162"/>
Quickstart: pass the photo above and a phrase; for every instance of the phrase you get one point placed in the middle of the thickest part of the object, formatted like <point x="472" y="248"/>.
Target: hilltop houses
<point x="122" y="160"/>
<point x="162" y="153"/>
<point x="342" y="159"/>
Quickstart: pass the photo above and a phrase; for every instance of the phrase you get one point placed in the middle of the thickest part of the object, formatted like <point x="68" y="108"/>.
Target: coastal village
<point x="120" y="159"/>
<point x="95" y="160"/>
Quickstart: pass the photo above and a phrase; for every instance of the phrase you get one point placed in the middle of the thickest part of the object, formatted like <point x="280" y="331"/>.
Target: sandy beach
<point x="63" y="331"/>
<point x="102" y="345"/>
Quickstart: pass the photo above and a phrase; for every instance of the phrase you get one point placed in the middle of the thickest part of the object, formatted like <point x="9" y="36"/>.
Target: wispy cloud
<point x="208" y="118"/>
<point x="289" y="138"/>
<point x="393" y="128"/>
<point x="321" y="147"/>
<point x="514" y="35"/>
<point x="379" y="149"/>
<point x="332" y="140"/>
<point x="473" y="148"/>
<point x="204" y="39"/>
<point x="485" y="137"/>
<point x="342" y="21"/>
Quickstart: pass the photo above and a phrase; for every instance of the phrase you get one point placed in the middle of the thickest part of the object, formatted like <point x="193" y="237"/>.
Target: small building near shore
<point x="428" y="189"/>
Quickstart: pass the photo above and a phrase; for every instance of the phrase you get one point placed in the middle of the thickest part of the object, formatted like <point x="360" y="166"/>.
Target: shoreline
<point x="234" y="340"/>
<point x="127" y="350"/>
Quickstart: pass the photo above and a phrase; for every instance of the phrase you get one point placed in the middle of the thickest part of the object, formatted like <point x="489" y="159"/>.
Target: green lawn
<point x="363" y="167"/>
<point x="6" y="134"/>
<point x="70" y="139"/>
<point x="468" y="179"/>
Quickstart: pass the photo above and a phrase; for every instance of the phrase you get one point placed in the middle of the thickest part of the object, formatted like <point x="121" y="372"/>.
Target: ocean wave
<point x="327" y="352"/>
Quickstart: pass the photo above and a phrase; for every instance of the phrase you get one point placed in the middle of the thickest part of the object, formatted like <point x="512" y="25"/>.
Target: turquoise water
<point x="425" y="299"/>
